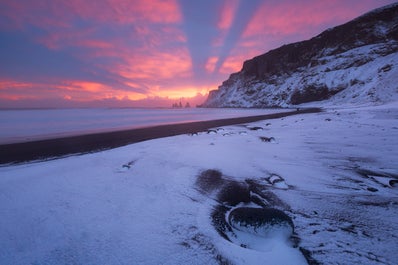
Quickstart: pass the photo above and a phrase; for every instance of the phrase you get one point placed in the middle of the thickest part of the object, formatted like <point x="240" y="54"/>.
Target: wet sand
<point x="59" y="147"/>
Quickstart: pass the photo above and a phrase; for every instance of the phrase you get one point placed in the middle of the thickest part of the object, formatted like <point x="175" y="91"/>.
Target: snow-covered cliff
<point x="356" y="62"/>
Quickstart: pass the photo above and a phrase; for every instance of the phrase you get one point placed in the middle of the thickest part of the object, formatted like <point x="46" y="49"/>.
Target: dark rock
<point x="386" y="68"/>
<point x="370" y="174"/>
<point x="393" y="182"/>
<point x="308" y="256"/>
<point x="349" y="229"/>
<point x="261" y="221"/>
<point x="234" y="193"/>
<point x="267" y="139"/>
<point x="256" y="128"/>
<point x="372" y="189"/>
<point x="129" y="164"/>
<point x="261" y="191"/>
<point x="209" y="180"/>
<point x="311" y="93"/>
<point x="219" y="222"/>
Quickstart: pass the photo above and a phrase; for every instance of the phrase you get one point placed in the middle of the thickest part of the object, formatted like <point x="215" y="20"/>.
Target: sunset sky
<point x="110" y="53"/>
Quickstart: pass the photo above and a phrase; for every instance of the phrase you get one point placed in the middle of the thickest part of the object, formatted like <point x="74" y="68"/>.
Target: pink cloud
<point x="14" y="94"/>
<point x="88" y="91"/>
<point x="98" y="44"/>
<point x="154" y="64"/>
<point x="234" y="62"/>
<point x="306" y="17"/>
<point x="17" y="90"/>
<point x="211" y="64"/>
<point x="144" y="65"/>
<point x="62" y="38"/>
<point x="154" y="11"/>
<point x="62" y="13"/>
<point x="227" y="14"/>
<point x="23" y="13"/>
<point x="78" y="90"/>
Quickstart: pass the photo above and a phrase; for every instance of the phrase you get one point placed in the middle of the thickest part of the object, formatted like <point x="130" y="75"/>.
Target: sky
<point x="145" y="53"/>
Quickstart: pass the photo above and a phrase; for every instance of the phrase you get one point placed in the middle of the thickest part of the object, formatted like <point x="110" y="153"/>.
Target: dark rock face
<point x="311" y="93"/>
<point x="358" y="32"/>
<point x="311" y="70"/>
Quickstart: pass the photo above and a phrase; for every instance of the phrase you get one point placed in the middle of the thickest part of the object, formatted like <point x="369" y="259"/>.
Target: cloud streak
<point x="243" y="16"/>
<point x="200" y="18"/>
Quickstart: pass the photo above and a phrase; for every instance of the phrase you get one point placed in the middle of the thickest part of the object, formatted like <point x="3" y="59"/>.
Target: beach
<point x="84" y="143"/>
<point x="319" y="188"/>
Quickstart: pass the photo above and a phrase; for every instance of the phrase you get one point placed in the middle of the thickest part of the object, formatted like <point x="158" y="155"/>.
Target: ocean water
<point x="35" y="124"/>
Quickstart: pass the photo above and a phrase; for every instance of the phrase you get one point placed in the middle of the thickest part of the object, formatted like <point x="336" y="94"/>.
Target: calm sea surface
<point x="25" y="125"/>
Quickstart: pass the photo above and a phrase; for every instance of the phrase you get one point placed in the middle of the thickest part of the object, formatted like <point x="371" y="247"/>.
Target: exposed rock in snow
<point x="263" y="222"/>
<point x="353" y="63"/>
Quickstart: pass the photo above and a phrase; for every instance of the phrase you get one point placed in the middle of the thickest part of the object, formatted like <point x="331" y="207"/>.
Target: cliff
<point x="356" y="62"/>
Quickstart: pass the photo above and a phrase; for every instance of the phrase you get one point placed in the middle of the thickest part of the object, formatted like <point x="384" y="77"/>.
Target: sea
<point x="22" y="125"/>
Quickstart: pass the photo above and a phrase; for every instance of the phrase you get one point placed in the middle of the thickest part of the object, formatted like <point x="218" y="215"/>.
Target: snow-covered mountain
<point x="356" y="62"/>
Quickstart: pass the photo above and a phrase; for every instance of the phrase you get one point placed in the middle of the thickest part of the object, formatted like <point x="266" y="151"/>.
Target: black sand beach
<point x="54" y="148"/>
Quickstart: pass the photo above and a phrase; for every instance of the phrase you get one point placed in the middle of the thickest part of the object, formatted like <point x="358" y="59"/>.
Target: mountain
<point x="354" y="63"/>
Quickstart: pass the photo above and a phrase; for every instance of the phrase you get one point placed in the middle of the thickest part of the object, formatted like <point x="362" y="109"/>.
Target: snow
<point x="140" y="204"/>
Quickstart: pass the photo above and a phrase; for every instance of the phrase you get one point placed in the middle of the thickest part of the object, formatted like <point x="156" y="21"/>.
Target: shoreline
<point x="73" y="145"/>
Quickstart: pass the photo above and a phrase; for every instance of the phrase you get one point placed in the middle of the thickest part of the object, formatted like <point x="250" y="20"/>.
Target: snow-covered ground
<point x="179" y="200"/>
<point x="33" y="124"/>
